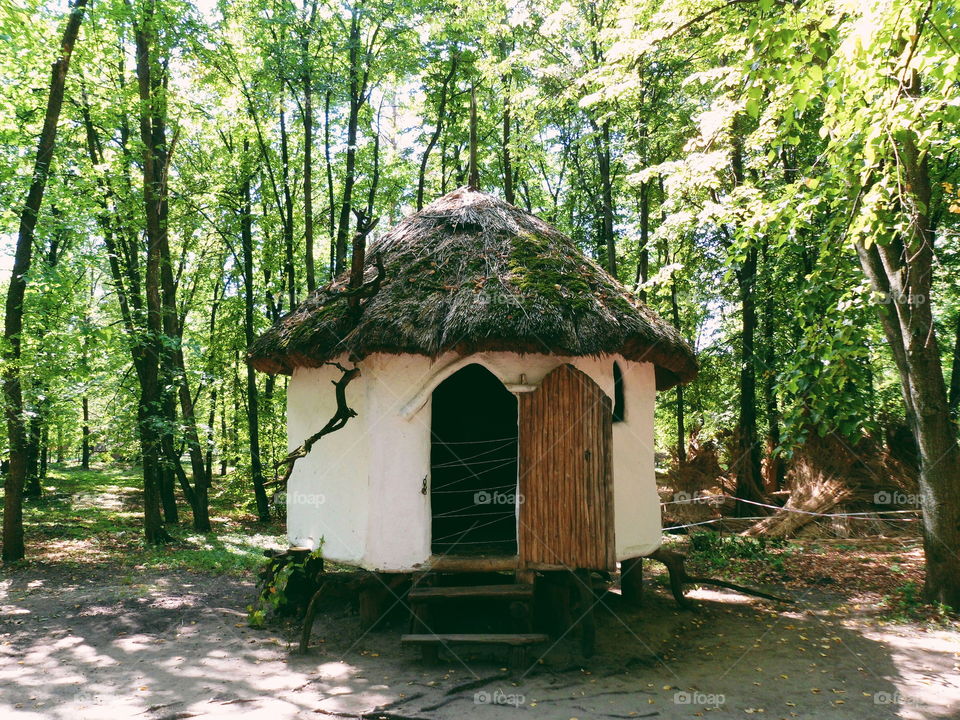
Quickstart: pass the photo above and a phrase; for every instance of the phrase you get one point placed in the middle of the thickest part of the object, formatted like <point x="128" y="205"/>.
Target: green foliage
<point x="718" y="549"/>
<point x="272" y="597"/>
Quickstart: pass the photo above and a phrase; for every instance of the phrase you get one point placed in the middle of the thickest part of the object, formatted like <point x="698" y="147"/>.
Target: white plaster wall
<point x="372" y="472"/>
<point x="635" y="499"/>
<point x="328" y="495"/>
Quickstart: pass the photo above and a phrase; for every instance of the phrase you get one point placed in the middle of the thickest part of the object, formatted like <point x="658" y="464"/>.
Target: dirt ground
<point x="93" y="644"/>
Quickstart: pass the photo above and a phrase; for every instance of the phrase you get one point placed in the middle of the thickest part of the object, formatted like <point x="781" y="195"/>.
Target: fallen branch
<point x="674" y="562"/>
<point x="805" y="503"/>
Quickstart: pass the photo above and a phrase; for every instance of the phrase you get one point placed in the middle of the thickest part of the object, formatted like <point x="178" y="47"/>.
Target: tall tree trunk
<point x="902" y="269"/>
<point x="331" y="201"/>
<point x="308" y="167"/>
<point x="32" y="488"/>
<point x="13" y="547"/>
<point x="441" y="116"/>
<point x="85" y="430"/>
<point x="643" y="254"/>
<point x="289" y="269"/>
<point x="681" y="429"/>
<point x="44" y="451"/>
<point x="357" y="98"/>
<point x="604" y="165"/>
<point x="748" y="463"/>
<point x="152" y="409"/>
<point x="954" y="401"/>
<point x="748" y="448"/>
<point x="775" y="467"/>
<point x="508" y="192"/>
<point x="253" y="410"/>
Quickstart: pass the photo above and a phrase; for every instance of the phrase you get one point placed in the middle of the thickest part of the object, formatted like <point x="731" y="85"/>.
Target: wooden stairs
<point x="425" y="600"/>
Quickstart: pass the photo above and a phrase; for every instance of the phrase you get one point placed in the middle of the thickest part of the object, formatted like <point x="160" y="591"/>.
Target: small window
<point x="618" y="408"/>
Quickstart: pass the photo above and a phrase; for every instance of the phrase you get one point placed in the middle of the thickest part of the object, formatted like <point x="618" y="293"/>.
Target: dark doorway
<point x="473" y="486"/>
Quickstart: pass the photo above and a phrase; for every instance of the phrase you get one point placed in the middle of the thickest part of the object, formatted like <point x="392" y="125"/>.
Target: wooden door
<point x="566" y="476"/>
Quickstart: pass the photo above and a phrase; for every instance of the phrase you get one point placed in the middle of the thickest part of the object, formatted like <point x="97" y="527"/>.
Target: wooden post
<point x="631" y="581"/>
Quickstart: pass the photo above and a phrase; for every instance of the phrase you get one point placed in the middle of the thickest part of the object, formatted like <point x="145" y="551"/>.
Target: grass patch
<point x="96" y="517"/>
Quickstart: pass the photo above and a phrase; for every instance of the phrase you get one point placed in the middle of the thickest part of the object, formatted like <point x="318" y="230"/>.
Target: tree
<point x="13" y="547"/>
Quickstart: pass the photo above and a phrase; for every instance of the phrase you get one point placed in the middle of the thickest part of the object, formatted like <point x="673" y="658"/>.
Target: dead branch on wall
<point x="343" y="413"/>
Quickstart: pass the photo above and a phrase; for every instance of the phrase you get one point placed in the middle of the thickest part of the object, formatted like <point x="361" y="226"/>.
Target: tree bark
<point x="85" y="430"/>
<point x="151" y="411"/>
<point x="253" y="410"/>
<point x="748" y="463"/>
<point x="13" y="546"/>
<point x="643" y="260"/>
<point x="441" y="115"/>
<point x="681" y="429"/>
<point x="954" y="400"/>
<point x="902" y="270"/>
<point x="357" y="99"/>
<point x="307" y="80"/>
<point x="604" y="164"/>
<point x="289" y="269"/>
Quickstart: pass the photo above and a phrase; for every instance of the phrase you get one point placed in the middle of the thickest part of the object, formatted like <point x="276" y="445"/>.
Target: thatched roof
<point x="470" y="273"/>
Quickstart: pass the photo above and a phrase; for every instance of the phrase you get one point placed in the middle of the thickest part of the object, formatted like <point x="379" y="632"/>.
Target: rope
<point x="704" y="501"/>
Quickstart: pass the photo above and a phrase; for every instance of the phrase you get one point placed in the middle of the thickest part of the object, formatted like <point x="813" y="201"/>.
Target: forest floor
<point x="97" y="627"/>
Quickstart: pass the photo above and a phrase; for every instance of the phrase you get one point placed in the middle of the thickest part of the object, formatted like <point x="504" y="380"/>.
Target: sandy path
<point x="93" y="645"/>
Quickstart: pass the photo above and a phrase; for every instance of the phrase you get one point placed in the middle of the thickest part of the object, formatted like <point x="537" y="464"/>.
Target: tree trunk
<point x="748" y="448"/>
<point x="308" y="166"/>
<point x="32" y="489"/>
<point x="85" y="429"/>
<point x="747" y="462"/>
<point x="253" y="416"/>
<point x="331" y="202"/>
<point x="775" y="468"/>
<point x="607" y="239"/>
<point x="152" y="407"/>
<point x="954" y="401"/>
<point x="441" y="115"/>
<point x="902" y="269"/>
<point x="289" y="269"/>
<point x="13" y="547"/>
<point x="508" y="193"/>
<point x="643" y="260"/>
<point x="357" y="97"/>
<point x="681" y="430"/>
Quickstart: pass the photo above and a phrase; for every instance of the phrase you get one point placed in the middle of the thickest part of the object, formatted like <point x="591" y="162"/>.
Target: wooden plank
<point x="566" y="475"/>
<point x="461" y="591"/>
<point x="476" y="638"/>
<point x="467" y="563"/>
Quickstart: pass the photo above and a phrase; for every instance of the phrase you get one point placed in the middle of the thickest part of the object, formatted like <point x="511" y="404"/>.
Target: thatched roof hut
<point x="471" y="273"/>
<point x="504" y="404"/>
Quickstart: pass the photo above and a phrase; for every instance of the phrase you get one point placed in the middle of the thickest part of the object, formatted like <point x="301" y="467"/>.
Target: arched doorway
<point x="473" y="458"/>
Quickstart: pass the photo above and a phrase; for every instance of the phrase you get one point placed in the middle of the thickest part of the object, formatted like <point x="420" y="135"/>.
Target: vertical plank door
<point x="566" y="474"/>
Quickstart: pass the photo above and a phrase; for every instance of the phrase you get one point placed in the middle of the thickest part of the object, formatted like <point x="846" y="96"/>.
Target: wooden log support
<point x="631" y="581"/>
<point x="584" y="611"/>
<point x="308" y="620"/>
<point x="674" y="562"/>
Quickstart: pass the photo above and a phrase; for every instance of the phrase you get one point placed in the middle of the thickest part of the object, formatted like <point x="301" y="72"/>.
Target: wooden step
<point x="476" y="638"/>
<point x="506" y="592"/>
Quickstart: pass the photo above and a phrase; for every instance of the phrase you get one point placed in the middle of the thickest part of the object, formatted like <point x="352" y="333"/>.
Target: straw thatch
<point x="470" y="273"/>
